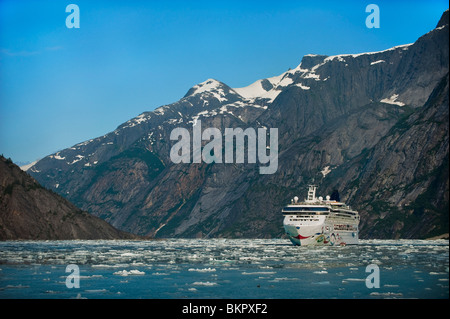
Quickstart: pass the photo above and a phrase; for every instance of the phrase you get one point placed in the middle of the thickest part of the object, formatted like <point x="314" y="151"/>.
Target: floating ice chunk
<point x="433" y="273"/>
<point x="277" y="279"/>
<point x="92" y="276"/>
<point x="259" y="273"/>
<point x="321" y="283"/>
<point x="202" y="270"/>
<point x="95" y="290"/>
<point x="19" y="286"/>
<point x="128" y="273"/>
<point x="386" y="294"/>
<point x="130" y="255"/>
<point x="204" y="283"/>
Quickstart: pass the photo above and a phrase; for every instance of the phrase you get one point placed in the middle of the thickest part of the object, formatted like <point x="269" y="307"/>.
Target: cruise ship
<point x="318" y="221"/>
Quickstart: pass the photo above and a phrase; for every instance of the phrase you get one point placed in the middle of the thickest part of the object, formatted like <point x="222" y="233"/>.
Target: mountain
<point x="29" y="211"/>
<point x="372" y="125"/>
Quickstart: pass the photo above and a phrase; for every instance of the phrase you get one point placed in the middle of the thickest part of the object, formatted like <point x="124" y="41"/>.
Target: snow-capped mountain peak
<point x="207" y="86"/>
<point x="212" y="88"/>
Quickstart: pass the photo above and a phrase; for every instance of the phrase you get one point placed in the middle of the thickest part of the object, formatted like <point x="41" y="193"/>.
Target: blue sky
<point x="61" y="86"/>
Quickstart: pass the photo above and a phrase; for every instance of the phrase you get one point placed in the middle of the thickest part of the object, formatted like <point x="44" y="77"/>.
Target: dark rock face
<point x="374" y="126"/>
<point x="29" y="211"/>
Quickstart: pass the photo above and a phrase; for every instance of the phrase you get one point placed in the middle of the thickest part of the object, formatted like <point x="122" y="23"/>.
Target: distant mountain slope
<point x="29" y="211"/>
<point x="373" y="125"/>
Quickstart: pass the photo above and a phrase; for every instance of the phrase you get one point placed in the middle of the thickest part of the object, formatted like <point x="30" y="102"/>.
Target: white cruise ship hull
<point x="316" y="235"/>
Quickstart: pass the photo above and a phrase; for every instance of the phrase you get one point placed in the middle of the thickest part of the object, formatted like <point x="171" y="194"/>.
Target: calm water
<point x="224" y="268"/>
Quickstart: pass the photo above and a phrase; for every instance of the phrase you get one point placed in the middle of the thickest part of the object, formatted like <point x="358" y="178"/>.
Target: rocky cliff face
<point x="29" y="211"/>
<point x="373" y="125"/>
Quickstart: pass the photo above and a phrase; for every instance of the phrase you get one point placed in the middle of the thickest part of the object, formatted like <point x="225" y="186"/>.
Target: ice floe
<point x="129" y="273"/>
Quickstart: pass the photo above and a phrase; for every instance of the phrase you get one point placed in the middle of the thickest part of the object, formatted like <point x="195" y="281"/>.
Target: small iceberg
<point x="128" y="273"/>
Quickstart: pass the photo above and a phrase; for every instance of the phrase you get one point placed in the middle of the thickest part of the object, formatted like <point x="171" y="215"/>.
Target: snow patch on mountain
<point x="325" y="171"/>
<point x="28" y="166"/>
<point x="285" y="81"/>
<point x="268" y="88"/>
<point x="340" y="57"/>
<point x="252" y="91"/>
<point x="78" y="158"/>
<point x="312" y="75"/>
<point x="303" y="87"/>
<point x="393" y="100"/>
<point x="206" y="86"/>
<point x="159" y="111"/>
<point x="376" y="62"/>
<point x="142" y="118"/>
<point x="56" y="156"/>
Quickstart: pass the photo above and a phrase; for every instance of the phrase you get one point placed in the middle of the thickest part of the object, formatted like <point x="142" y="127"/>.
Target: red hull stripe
<point x="301" y="237"/>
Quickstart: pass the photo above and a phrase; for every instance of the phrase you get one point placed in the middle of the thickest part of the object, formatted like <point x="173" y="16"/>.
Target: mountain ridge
<point x="334" y="115"/>
<point x="29" y="211"/>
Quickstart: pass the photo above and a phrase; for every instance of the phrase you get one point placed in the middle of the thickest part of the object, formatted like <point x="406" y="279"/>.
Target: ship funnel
<point x="335" y="196"/>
